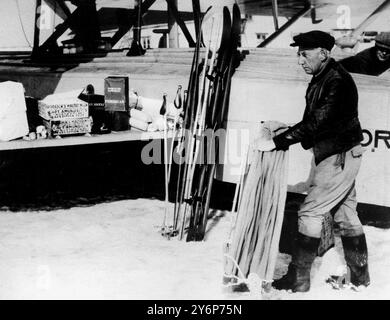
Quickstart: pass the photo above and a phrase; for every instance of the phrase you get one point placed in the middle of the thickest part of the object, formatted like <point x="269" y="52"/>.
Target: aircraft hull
<point x="277" y="93"/>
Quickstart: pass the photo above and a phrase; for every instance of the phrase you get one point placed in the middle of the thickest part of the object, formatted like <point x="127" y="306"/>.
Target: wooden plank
<point x="130" y="135"/>
<point x="196" y="12"/>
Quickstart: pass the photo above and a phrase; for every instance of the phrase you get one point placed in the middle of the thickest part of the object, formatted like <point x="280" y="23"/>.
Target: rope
<point x="236" y="265"/>
<point x="246" y="280"/>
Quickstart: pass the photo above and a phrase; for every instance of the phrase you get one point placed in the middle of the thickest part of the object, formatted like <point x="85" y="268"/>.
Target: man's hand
<point x="264" y="144"/>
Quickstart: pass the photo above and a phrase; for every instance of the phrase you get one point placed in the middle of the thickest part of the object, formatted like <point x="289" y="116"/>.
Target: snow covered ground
<point x="114" y="251"/>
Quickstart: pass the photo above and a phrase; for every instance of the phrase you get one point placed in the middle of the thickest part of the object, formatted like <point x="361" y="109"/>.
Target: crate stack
<point x="65" y="114"/>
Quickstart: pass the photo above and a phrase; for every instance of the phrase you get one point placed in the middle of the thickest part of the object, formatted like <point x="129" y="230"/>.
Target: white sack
<point x="140" y="115"/>
<point x="13" y="126"/>
<point x="138" y="124"/>
<point x="12" y="98"/>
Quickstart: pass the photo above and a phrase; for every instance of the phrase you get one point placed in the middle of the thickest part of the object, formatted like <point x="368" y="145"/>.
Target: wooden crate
<point x="63" y="110"/>
<point x="67" y="126"/>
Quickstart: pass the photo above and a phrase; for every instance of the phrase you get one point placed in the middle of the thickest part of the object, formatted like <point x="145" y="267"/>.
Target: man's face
<point x="310" y="60"/>
<point x="382" y="54"/>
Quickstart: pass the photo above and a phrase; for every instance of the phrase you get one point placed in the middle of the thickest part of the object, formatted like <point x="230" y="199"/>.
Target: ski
<point x="197" y="125"/>
<point x="215" y="121"/>
<point x="213" y="77"/>
<point x="190" y="101"/>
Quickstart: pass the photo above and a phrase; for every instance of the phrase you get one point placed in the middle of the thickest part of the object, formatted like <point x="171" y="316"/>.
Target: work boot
<point x="356" y="256"/>
<point x="298" y="275"/>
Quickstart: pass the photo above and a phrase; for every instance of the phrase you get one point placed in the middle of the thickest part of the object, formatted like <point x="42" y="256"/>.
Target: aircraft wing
<point x="110" y="18"/>
<point x="324" y="8"/>
<point x="113" y="12"/>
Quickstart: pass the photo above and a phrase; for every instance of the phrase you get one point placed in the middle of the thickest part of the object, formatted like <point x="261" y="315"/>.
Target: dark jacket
<point x="365" y="62"/>
<point x="330" y="122"/>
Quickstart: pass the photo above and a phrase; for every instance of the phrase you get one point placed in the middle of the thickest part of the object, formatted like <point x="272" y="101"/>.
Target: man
<point x="372" y="61"/>
<point x="331" y="127"/>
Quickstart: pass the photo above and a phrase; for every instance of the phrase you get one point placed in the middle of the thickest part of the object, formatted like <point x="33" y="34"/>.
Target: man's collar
<point x="327" y="66"/>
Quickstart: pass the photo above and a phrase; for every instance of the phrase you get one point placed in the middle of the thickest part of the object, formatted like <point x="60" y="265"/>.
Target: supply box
<point x="116" y="93"/>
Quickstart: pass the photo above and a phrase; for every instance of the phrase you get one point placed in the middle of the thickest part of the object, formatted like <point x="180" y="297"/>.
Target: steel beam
<point x="275" y="14"/>
<point x="136" y="46"/>
<point x="283" y="28"/>
<point x="146" y="4"/>
<point x="181" y="23"/>
<point x="60" y="29"/>
<point x="37" y="30"/>
<point x="173" y="41"/>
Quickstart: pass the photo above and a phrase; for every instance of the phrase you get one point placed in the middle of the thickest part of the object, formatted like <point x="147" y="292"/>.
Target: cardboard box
<point x="63" y="109"/>
<point x="116" y="93"/>
<point x="67" y="126"/>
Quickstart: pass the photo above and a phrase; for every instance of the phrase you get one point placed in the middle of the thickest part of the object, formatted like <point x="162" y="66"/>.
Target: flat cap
<point x="313" y="39"/>
<point x="383" y="40"/>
